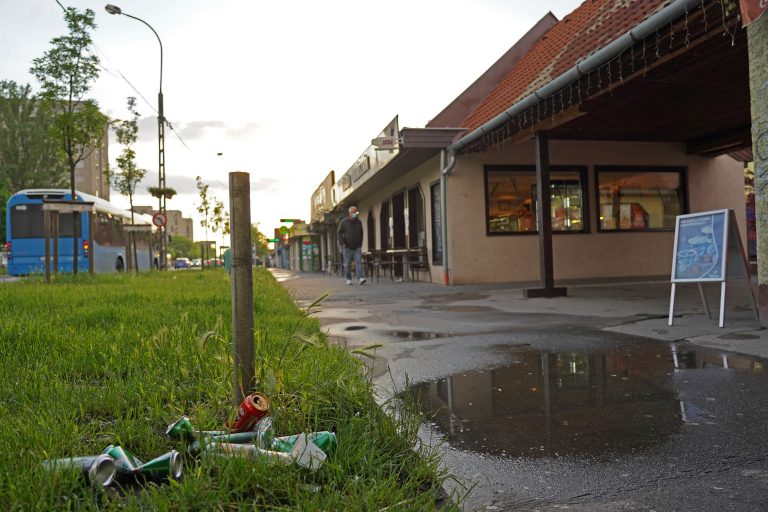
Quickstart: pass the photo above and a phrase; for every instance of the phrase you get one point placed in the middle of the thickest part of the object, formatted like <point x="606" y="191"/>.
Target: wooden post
<point x="242" y="284"/>
<point x="544" y="221"/>
<point x="55" y="222"/>
<point x="92" y="245"/>
<point x="47" y="241"/>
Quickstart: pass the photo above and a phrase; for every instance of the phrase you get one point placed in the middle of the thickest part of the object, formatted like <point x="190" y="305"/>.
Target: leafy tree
<point x="128" y="175"/>
<point x="205" y="207"/>
<point x="29" y="156"/>
<point x="65" y="73"/>
<point x="259" y="241"/>
<point x="220" y="218"/>
<point x="183" y="247"/>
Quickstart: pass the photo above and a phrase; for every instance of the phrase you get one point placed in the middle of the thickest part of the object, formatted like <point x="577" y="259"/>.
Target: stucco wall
<point x="713" y="183"/>
<point x="423" y="175"/>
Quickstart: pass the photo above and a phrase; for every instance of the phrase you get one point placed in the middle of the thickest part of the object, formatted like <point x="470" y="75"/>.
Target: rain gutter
<point x="582" y="68"/>
<point x="592" y="62"/>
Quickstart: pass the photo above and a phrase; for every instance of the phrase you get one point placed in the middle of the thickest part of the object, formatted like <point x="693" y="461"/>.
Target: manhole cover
<point x="354" y="328"/>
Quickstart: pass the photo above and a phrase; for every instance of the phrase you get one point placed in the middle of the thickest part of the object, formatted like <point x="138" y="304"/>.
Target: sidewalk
<point x="375" y="310"/>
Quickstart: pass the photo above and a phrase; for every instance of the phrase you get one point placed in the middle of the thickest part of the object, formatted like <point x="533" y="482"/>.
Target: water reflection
<point x="589" y="403"/>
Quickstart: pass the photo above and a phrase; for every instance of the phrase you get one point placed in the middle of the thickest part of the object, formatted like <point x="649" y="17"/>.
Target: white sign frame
<point x="731" y="248"/>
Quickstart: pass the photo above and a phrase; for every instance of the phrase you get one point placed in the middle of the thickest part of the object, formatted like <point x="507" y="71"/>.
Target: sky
<point x="285" y="90"/>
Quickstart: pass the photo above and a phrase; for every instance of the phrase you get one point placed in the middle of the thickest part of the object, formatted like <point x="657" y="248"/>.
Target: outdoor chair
<point x="418" y="261"/>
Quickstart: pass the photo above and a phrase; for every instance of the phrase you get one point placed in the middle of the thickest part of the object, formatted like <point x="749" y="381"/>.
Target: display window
<point x="510" y="200"/>
<point x="639" y="199"/>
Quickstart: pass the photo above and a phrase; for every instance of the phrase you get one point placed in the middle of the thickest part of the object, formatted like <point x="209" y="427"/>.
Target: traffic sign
<point x="159" y="219"/>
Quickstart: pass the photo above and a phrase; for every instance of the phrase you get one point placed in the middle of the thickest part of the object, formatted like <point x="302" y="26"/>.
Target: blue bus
<point x="107" y="244"/>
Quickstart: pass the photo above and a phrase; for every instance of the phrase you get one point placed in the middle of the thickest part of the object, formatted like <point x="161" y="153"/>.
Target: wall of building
<point x="475" y="257"/>
<point x="423" y="176"/>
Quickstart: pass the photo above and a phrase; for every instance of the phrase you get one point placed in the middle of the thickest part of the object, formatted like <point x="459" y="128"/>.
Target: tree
<point x="29" y="156"/>
<point x="183" y="247"/>
<point x="220" y="218"/>
<point x="65" y="73"/>
<point x="204" y="208"/>
<point x="259" y="241"/>
<point x="128" y="175"/>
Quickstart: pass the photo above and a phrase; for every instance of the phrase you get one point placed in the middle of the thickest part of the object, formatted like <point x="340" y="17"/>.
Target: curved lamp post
<point x="113" y="9"/>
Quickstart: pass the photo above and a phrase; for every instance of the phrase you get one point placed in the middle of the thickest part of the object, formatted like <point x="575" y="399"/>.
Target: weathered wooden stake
<point x="47" y="233"/>
<point x="242" y="283"/>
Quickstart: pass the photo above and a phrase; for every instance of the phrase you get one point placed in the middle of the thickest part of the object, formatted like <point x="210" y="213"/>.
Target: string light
<point x="704" y="10"/>
<point x="687" y="29"/>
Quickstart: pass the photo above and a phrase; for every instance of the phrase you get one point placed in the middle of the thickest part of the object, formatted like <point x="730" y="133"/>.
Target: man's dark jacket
<point x="351" y="233"/>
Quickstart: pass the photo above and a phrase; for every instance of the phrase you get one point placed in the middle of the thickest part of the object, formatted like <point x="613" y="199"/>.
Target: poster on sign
<point x="699" y="253"/>
<point x="708" y="248"/>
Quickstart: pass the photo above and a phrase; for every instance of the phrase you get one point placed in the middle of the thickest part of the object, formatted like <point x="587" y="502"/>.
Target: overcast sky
<point x="286" y="91"/>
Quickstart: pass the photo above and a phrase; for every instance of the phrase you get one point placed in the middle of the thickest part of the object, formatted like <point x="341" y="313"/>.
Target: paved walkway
<point x="638" y="309"/>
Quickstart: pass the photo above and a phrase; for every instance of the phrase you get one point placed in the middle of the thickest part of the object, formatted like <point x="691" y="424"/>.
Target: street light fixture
<point x="113" y="9"/>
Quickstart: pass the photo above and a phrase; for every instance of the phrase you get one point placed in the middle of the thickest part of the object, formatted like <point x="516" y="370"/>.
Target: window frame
<point x="583" y="173"/>
<point x="681" y="170"/>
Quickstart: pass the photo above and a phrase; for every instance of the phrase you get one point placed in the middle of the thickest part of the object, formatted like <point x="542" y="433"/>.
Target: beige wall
<point x="423" y="175"/>
<point x="713" y="183"/>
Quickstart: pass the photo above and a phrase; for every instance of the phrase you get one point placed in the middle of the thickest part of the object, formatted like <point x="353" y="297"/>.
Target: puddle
<point x="355" y="328"/>
<point x="416" y="335"/>
<point x="590" y="403"/>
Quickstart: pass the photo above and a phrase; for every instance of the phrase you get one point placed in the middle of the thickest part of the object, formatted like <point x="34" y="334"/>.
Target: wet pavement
<point x="590" y="402"/>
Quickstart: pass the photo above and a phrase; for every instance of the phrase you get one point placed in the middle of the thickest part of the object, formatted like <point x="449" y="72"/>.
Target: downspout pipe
<point x="590" y="63"/>
<point x="447" y="163"/>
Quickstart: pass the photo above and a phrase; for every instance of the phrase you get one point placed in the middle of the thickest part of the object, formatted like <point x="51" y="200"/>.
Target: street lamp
<point x="113" y="9"/>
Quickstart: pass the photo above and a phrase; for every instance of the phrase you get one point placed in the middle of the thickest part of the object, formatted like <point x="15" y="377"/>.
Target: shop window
<point x="639" y="199"/>
<point x="510" y="205"/>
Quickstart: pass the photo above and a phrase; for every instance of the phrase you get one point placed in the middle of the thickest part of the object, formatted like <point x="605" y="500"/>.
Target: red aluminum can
<point x="254" y="407"/>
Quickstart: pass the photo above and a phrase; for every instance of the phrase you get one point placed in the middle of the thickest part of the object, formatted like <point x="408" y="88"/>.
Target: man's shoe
<point x="361" y="280"/>
<point x="349" y="281"/>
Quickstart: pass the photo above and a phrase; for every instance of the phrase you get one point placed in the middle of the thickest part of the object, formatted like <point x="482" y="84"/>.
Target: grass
<point x="91" y="361"/>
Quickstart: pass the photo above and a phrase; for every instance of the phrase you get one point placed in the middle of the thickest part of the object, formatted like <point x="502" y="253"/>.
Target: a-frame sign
<point x="708" y="249"/>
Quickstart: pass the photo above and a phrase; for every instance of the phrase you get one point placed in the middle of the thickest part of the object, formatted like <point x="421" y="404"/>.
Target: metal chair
<point x="418" y="260"/>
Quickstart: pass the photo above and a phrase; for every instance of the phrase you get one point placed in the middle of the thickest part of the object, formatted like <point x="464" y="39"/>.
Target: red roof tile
<point x="594" y="24"/>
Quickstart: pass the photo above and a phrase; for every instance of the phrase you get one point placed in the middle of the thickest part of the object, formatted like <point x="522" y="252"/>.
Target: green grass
<point x="91" y="361"/>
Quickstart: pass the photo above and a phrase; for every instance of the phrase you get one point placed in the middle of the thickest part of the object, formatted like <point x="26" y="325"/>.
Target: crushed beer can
<point x="260" y="436"/>
<point x="324" y="440"/>
<point x="98" y="470"/>
<point x="183" y="430"/>
<point x="126" y="463"/>
<point x="305" y="453"/>
<point x="254" y="407"/>
<point x="169" y="465"/>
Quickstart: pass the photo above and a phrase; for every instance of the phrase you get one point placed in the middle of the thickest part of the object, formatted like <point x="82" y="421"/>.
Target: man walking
<point x="350" y="237"/>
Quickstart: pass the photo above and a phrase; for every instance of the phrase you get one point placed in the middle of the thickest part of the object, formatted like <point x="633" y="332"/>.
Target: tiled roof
<point x="594" y="24"/>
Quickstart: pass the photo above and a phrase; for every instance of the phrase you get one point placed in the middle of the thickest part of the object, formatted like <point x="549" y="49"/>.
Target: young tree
<point x="128" y="175"/>
<point x="220" y="218"/>
<point x="204" y="209"/>
<point x="65" y="73"/>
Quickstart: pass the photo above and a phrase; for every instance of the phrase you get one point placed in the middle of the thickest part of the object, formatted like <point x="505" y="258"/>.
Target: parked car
<point x="197" y="263"/>
<point x="182" y="263"/>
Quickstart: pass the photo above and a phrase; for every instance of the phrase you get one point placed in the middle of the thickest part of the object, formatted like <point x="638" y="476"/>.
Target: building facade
<point x="617" y="127"/>
<point x="90" y="173"/>
<point x="177" y="225"/>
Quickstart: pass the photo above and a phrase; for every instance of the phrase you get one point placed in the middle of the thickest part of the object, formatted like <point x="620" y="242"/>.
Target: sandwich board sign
<point x="708" y="249"/>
